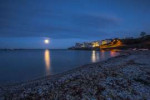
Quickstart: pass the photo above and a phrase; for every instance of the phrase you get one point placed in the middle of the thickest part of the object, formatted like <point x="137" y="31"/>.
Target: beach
<point x="124" y="77"/>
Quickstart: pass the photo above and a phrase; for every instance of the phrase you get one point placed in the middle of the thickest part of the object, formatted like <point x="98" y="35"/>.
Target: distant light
<point x="46" y="41"/>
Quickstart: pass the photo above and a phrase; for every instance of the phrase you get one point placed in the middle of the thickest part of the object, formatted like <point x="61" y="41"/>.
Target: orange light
<point x="113" y="53"/>
<point x="102" y="52"/>
<point x="47" y="61"/>
<point x="112" y="44"/>
<point x="93" y="57"/>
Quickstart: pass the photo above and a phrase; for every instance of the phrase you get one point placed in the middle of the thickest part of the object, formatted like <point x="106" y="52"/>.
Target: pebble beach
<point x="124" y="77"/>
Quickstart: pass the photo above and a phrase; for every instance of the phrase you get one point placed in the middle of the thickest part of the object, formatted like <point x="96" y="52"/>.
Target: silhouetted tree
<point x="143" y="34"/>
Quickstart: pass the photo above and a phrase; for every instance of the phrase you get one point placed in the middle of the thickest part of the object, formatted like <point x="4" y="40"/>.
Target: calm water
<point x="23" y="65"/>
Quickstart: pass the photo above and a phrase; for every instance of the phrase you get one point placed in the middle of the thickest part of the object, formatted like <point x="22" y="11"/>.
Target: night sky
<point x="27" y="23"/>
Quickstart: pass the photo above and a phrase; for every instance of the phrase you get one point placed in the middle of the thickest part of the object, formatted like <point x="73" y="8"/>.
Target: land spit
<point x="125" y="77"/>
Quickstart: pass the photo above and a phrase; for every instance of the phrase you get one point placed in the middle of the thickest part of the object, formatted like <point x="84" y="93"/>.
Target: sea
<point x="23" y="65"/>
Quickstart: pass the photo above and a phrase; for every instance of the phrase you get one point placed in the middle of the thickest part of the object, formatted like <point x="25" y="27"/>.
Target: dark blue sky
<point x="26" y="23"/>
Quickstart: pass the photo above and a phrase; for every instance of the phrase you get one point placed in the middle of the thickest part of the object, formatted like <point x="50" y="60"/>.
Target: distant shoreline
<point x="112" y="48"/>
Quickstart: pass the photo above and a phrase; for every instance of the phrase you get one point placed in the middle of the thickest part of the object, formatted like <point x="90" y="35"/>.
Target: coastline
<point x="112" y="78"/>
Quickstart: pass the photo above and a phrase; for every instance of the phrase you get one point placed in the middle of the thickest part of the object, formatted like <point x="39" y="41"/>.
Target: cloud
<point x="97" y="21"/>
<point x="60" y="18"/>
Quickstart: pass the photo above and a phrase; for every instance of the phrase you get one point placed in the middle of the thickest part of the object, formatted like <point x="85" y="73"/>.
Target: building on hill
<point x="87" y="45"/>
<point x="83" y="45"/>
<point x="107" y="41"/>
<point x="78" y="45"/>
<point x="95" y="44"/>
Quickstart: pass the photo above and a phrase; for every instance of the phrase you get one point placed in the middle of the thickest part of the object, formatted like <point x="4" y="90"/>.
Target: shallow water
<point x="21" y="65"/>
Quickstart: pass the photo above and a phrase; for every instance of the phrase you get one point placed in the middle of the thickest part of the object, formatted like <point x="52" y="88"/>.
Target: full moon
<point x="46" y="41"/>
